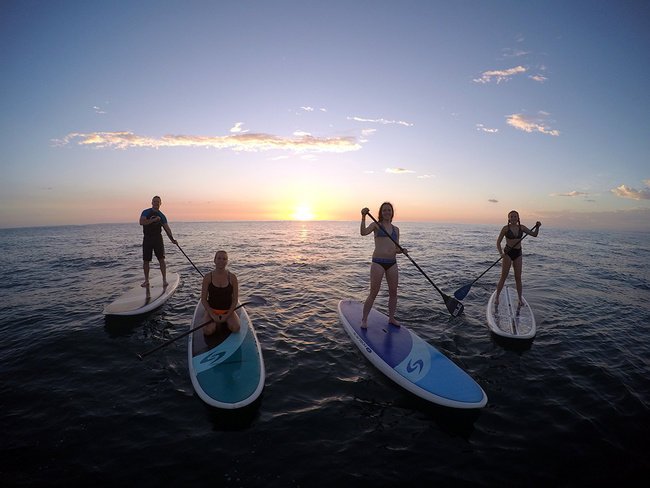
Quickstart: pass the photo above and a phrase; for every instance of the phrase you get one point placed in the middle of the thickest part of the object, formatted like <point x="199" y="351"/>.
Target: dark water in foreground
<point x="571" y="408"/>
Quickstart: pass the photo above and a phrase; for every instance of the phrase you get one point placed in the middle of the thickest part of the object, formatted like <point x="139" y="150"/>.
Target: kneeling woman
<point x="219" y="296"/>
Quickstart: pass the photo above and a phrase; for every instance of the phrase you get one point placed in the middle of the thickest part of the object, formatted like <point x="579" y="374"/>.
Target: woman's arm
<point x="535" y="230"/>
<point x="235" y="295"/>
<point x="365" y="230"/>
<point x="502" y="234"/>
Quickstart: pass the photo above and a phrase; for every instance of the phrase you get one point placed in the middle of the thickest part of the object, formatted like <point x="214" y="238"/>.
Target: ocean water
<point x="570" y="408"/>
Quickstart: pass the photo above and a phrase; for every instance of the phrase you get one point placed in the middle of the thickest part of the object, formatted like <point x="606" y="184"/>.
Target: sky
<point x="454" y="111"/>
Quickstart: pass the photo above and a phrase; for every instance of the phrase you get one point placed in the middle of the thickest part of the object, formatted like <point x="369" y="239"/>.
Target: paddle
<point x="454" y="306"/>
<point x="188" y="259"/>
<point x="462" y="292"/>
<point x="254" y="300"/>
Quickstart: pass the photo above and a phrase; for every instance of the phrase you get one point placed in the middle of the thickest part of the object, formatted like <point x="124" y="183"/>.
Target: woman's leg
<point x="211" y="327"/>
<point x="517" y="265"/>
<point x="392" y="278"/>
<point x="505" y="269"/>
<point x="234" y="323"/>
<point x="376" y="274"/>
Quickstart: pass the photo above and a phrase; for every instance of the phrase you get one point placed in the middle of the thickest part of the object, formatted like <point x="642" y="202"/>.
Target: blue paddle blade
<point x="462" y="292"/>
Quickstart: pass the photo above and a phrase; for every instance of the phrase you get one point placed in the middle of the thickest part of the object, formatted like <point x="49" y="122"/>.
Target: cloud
<point x="500" y="76"/>
<point x="531" y="123"/>
<point x="381" y="121"/>
<point x="492" y="200"/>
<point x="627" y="192"/>
<point x="237" y="128"/>
<point x="513" y="53"/>
<point x="485" y="129"/>
<point x="251" y="142"/>
<point x="398" y="170"/>
<point x="572" y="194"/>
<point x="426" y="176"/>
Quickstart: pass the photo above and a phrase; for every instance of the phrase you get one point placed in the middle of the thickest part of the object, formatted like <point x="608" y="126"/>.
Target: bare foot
<point x="394" y="322"/>
<point x="146" y="283"/>
<point x="165" y="284"/>
<point x="364" y="324"/>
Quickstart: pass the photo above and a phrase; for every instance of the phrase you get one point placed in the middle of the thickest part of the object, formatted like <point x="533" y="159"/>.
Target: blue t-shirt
<point x="153" y="229"/>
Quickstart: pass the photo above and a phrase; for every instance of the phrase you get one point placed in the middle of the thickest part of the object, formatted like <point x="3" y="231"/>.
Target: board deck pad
<point x="226" y="369"/>
<point x="409" y="361"/>
<point x="143" y="299"/>
<point x="508" y="319"/>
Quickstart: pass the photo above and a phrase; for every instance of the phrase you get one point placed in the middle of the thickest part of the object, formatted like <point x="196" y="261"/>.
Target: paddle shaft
<point x="406" y="254"/>
<point x="142" y="356"/>
<point x="188" y="259"/>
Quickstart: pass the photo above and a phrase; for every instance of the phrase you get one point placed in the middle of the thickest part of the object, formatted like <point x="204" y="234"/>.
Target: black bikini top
<point x="510" y="235"/>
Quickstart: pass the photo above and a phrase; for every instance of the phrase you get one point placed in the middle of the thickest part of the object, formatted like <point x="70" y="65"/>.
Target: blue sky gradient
<point x="455" y="111"/>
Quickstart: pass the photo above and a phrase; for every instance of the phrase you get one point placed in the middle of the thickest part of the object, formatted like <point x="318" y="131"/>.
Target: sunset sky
<point x="455" y="111"/>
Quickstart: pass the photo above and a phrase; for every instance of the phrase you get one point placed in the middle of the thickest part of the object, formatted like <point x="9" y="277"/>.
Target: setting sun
<point x="302" y="213"/>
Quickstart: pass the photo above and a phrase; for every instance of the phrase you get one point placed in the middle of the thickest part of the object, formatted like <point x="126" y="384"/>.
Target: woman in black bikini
<point x="513" y="232"/>
<point x="384" y="261"/>
<point x="219" y="296"/>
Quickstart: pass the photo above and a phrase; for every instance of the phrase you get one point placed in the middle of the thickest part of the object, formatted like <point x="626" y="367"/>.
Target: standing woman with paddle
<point x="513" y="233"/>
<point x="384" y="260"/>
<point x="219" y="296"/>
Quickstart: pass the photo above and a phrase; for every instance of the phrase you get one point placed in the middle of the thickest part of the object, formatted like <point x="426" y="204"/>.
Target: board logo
<point x="213" y="358"/>
<point x="415" y="366"/>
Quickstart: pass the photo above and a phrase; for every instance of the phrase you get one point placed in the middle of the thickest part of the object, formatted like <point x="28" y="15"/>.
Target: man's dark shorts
<point x="151" y="245"/>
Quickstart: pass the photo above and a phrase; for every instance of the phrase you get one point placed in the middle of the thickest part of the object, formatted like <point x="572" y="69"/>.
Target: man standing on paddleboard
<point x="153" y="221"/>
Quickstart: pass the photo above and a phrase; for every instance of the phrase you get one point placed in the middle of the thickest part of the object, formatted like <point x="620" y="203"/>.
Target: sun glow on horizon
<point x="302" y="212"/>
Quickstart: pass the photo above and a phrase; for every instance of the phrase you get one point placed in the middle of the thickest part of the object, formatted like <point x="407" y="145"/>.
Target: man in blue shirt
<point x="153" y="221"/>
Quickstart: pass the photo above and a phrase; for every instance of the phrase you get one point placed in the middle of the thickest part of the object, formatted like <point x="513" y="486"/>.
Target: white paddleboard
<point x="508" y="319"/>
<point x="143" y="299"/>
<point x="226" y="369"/>
<point x="409" y="361"/>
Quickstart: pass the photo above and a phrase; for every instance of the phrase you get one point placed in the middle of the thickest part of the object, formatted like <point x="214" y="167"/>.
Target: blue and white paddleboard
<point x="409" y="361"/>
<point x="227" y="370"/>
<point x="508" y="319"/>
<point x="143" y="299"/>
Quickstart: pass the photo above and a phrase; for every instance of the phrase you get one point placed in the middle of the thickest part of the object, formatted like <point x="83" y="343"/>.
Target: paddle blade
<point x="461" y="293"/>
<point x="255" y="300"/>
<point x="454" y="306"/>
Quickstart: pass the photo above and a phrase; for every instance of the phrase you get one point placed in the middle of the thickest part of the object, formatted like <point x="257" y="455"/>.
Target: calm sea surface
<point x="77" y="408"/>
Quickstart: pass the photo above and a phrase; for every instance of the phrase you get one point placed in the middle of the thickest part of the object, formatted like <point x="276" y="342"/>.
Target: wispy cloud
<point x="237" y="129"/>
<point x="513" y="53"/>
<point x="492" y="200"/>
<point x="500" y="75"/>
<point x="381" y="121"/>
<point x="238" y="142"/>
<point x="571" y="194"/>
<point x="627" y="192"/>
<point x="485" y="129"/>
<point x="398" y="170"/>
<point x="424" y="177"/>
<point x="530" y="123"/>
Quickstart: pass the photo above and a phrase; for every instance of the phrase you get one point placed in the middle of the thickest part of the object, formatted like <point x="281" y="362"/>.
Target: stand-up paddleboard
<point x="227" y="370"/>
<point x="409" y="361"/>
<point x="508" y="319"/>
<point x="143" y="299"/>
